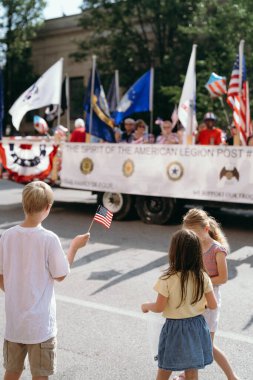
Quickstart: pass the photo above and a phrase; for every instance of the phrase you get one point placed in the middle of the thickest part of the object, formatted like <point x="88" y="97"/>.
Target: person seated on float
<point x="234" y="136"/>
<point x="117" y="134"/>
<point x="211" y="135"/>
<point x="79" y="133"/>
<point x="129" y="128"/>
<point x="167" y="136"/>
<point x="141" y="135"/>
<point x="199" y="128"/>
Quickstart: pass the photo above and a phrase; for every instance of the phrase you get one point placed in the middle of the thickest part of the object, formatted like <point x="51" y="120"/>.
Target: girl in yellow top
<point x="184" y="291"/>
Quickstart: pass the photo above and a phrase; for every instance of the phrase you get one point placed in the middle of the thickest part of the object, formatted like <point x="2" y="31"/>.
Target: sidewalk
<point x="11" y="194"/>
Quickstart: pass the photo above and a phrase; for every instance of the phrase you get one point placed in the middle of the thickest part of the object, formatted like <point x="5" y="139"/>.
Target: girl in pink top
<point x="214" y="249"/>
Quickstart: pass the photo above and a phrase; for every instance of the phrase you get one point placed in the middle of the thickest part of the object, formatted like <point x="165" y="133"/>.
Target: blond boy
<point x="31" y="258"/>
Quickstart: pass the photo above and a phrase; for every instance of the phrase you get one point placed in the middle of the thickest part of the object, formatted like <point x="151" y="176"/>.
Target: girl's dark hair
<point x="185" y="256"/>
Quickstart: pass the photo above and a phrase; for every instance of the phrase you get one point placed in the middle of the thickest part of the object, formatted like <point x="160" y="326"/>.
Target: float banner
<point x="215" y="173"/>
<point x="27" y="161"/>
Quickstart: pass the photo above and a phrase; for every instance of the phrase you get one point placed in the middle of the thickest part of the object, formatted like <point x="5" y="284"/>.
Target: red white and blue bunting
<point x="27" y="161"/>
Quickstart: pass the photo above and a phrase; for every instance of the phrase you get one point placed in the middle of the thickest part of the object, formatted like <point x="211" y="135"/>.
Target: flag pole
<point x="1" y="106"/>
<point x="68" y="102"/>
<point x="248" y="124"/>
<point x="94" y="57"/>
<point x="151" y="98"/>
<point x="59" y="105"/>
<point x="224" y="110"/>
<point x="93" y="220"/>
<point x="241" y="48"/>
<point x="117" y="86"/>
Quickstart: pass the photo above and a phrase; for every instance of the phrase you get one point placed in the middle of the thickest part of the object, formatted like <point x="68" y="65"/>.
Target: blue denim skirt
<point x="185" y="344"/>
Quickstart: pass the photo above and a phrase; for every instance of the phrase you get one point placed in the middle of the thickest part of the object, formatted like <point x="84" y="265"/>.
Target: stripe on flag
<point x="238" y="98"/>
<point x="103" y="216"/>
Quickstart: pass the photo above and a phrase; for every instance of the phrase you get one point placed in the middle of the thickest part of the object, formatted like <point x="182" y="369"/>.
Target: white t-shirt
<point x="29" y="260"/>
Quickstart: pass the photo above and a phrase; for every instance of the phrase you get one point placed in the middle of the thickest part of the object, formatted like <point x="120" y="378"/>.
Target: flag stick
<point x="117" y="86"/>
<point x="93" y="220"/>
<point x="68" y="102"/>
<point x="59" y="105"/>
<point x="241" y="48"/>
<point x="92" y="90"/>
<point x="151" y="99"/>
<point x="224" y="110"/>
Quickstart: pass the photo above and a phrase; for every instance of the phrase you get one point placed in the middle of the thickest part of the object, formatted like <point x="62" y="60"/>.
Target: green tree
<point x="19" y="22"/>
<point x="131" y="35"/>
<point x="218" y="26"/>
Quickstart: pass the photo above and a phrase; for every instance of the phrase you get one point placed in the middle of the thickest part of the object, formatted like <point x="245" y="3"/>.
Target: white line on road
<point x="132" y="314"/>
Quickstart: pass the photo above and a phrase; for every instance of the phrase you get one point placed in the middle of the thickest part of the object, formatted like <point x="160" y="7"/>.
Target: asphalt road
<point x="102" y="333"/>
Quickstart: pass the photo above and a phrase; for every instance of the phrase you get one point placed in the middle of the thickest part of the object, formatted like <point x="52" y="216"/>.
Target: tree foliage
<point x="19" y="22"/>
<point x="132" y="35"/>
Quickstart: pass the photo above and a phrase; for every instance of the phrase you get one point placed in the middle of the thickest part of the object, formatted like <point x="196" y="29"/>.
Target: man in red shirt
<point x="211" y="135"/>
<point x="79" y="133"/>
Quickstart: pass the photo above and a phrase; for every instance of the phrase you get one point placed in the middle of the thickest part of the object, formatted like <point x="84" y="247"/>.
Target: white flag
<point x="47" y="90"/>
<point x="186" y="108"/>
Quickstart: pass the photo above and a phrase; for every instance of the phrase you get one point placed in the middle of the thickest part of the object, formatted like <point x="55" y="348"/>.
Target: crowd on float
<point x="137" y="132"/>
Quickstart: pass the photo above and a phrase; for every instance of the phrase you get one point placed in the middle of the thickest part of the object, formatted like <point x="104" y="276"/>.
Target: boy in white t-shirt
<point x="31" y="258"/>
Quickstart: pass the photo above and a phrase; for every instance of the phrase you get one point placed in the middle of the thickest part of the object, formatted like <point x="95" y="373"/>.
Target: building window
<point x="76" y="94"/>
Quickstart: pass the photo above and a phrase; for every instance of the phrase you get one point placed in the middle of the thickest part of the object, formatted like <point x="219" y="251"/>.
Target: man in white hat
<point x="211" y="135"/>
<point x="79" y="133"/>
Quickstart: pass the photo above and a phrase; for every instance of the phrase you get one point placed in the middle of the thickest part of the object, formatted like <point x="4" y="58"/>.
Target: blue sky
<point x="56" y="8"/>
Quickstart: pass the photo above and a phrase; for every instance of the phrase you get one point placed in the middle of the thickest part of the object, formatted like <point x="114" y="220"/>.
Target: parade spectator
<point x="214" y="248"/>
<point x="250" y="140"/>
<point x="184" y="290"/>
<point x="167" y="136"/>
<point x="140" y="135"/>
<point x="211" y="135"/>
<point x="79" y="133"/>
<point x="127" y="135"/>
<point x="27" y="274"/>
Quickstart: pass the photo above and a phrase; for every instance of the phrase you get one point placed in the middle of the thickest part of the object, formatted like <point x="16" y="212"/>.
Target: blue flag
<point x="1" y="104"/>
<point x="136" y="99"/>
<point x="102" y="124"/>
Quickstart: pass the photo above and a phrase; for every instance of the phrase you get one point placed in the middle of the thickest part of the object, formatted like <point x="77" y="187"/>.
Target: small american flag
<point x="238" y="97"/>
<point x="103" y="216"/>
<point x="216" y="85"/>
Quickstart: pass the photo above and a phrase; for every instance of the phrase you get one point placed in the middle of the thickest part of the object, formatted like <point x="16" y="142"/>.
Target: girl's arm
<point x="222" y="269"/>
<point x="211" y="300"/>
<point x="156" y="307"/>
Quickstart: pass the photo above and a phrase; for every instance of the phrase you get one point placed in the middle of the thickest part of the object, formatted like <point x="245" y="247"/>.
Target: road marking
<point x="10" y="224"/>
<point x="241" y="254"/>
<point x="133" y="314"/>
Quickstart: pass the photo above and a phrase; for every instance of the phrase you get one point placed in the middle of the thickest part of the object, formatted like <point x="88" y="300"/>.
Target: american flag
<point x="216" y="85"/>
<point x="103" y="216"/>
<point x="238" y="98"/>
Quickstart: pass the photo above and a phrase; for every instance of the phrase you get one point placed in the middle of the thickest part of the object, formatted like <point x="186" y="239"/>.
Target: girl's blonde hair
<point x="36" y="197"/>
<point x="198" y="217"/>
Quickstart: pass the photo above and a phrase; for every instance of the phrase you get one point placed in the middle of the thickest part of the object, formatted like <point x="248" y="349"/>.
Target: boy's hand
<point x="144" y="308"/>
<point x="80" y="241"/>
